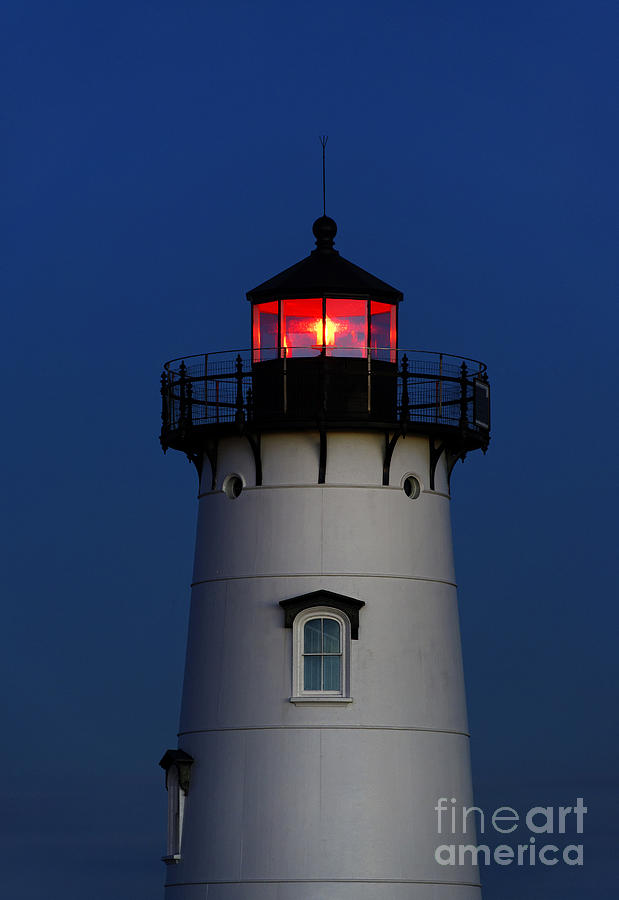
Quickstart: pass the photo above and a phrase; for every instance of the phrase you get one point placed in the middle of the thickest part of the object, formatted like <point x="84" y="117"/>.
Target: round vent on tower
<point x="232" y="486"/>
<point x="411" y="487"/>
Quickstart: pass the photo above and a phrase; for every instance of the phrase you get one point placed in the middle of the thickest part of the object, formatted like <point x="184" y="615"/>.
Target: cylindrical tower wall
<point x="315" y="800"/>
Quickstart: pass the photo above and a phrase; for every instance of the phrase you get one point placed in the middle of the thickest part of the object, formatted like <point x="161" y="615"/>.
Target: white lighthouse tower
<point x="323" y="711"/>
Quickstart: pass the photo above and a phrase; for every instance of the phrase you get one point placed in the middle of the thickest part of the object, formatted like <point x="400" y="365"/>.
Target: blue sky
<point x="158" y="160"/>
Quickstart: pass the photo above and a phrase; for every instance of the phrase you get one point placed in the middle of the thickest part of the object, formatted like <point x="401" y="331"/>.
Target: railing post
<point x="239" y="418"/>
<point x="182" y="391"/>
<point x="206" y="403"/>
<point x="369" y="380"/>
<point x="464" y="416"/>
<point x="165" y="411"/>
<point x="164" y="400"/>
<point x="405" y="399"/>
<point x="439" y="390"/>
<point x="189" y="402"/>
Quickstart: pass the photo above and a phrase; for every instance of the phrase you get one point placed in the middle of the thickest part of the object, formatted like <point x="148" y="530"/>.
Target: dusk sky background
<point x="159" y="159"/>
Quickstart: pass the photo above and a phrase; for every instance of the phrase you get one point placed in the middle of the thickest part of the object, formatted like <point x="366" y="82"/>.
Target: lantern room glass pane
<point x="264" y="331"/>
<point x="346" y="327"/>
<point x="332" y="673"/>
<point x="383" y="338"/>
<point x="302" y="331"/>
<point x="312" y="666"/>
<point x="313" y="636"/>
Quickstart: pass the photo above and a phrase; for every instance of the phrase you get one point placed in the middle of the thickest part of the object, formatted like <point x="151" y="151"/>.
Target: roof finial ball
<point x="324" y="230"/>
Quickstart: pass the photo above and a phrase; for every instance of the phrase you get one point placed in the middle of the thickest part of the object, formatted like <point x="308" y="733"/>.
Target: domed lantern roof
<point x="324" y="304"/>
<point x="324" y="271"/>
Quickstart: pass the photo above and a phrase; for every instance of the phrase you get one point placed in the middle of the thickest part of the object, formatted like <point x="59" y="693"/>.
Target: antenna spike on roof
<point x="323" y="141"/>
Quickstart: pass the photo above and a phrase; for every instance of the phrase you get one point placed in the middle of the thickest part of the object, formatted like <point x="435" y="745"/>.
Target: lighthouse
<point x="323" y="711"/>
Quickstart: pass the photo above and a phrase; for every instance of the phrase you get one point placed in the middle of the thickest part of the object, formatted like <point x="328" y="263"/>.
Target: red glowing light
<point x="349" y="326"/>
<point x="301" y="326"/>
<point x="339" y="327"/>
<point x="331" y="329"/>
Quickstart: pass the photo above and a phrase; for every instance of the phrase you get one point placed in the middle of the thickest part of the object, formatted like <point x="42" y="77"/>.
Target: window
<point x="321" y="656"/>
<point x="383" y="331"/>
<point x="346" y="326"/>
<point x="323" y="625"/>
<point x="302" y="327"/>
<point x="338" y="326"/>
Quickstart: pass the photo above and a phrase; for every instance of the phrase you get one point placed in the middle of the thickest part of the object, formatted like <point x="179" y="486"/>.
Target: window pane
<point x="265" y="331"/>
<point x="331" y="630"/>
<point x="382" y="331"/>
<point x="302" y="327"/>
<point x="312" y="636"/>
<point x="332" y="679"/>
<point x="311" y="672"/>
<point x="346" y="327"/>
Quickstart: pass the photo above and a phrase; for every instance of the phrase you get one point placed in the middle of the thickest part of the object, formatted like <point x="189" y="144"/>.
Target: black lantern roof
<point x="324" y="272"/>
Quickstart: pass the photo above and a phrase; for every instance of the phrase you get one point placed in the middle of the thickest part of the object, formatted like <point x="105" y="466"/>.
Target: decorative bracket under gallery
<point x="451" y="458"/>
<point x="210" y="449"/>
<point x="254" y="443"/>
<point x="322" y="460"/>
<point x="390" y="443"/>
<point x="197" y="459"/>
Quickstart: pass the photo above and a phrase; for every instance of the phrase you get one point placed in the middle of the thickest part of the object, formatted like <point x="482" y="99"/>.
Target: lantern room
<point x="335" y="326"/>
<point x="324" y="352"/>
<point x="324" y="305"/>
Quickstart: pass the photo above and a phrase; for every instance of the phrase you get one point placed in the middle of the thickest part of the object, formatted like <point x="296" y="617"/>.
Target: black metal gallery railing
<point x="437" y="390"/>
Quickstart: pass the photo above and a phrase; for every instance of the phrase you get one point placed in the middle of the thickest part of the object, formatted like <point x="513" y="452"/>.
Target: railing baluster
<point x="182" y="389"/>
<point x="206" y="405"/>
<point x="240" y="416"/>
<point x="464" y="417"/>
<point x="189" y="402"/>
<point x="165" y="414"/>
<point x="440" y="387"/>
<point x="405" y="400"/>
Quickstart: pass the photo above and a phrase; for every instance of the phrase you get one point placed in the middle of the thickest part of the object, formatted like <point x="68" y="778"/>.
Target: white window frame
<point x="299" y="694"/>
